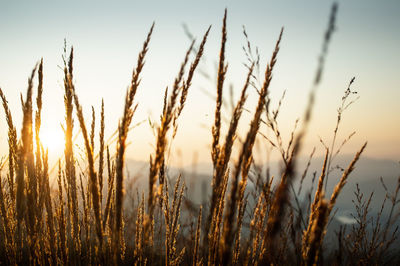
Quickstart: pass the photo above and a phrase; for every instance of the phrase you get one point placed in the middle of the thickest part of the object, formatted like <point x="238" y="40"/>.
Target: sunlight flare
<point x="52" y="139"/>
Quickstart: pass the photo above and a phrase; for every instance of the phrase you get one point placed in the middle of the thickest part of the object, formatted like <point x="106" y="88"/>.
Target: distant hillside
<point x="367" y="174"/>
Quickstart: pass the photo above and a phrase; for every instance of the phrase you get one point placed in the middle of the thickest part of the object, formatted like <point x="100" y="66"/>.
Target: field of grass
<point x="250" y="217"/>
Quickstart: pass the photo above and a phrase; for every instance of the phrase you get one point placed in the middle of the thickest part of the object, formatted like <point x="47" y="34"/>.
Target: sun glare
<point x="53" y="140"/>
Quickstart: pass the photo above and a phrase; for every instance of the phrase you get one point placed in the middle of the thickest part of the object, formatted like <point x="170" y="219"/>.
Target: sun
<point x="53" y="140"/>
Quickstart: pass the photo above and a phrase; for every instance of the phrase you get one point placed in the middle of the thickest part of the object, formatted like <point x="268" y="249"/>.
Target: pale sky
<point x="107" y="37"/>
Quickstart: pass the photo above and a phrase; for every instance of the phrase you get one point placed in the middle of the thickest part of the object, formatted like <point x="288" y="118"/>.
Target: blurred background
<point x="107" y="37"/>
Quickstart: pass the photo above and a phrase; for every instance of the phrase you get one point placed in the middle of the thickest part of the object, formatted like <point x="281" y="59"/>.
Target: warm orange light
<point x="53" y="140"/>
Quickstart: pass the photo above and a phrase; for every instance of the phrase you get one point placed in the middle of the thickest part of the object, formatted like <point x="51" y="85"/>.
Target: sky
<point x="107" y="37"/>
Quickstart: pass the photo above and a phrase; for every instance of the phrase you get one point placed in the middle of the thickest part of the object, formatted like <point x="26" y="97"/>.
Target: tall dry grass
<point x="88" y="218"/>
